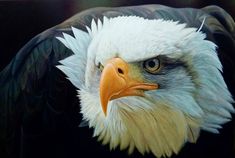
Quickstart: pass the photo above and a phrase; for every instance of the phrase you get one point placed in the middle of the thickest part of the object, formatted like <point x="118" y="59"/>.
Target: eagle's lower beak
<point x="116" y="82"/>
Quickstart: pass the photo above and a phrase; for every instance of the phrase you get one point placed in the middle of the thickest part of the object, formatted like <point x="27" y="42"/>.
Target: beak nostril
<point x="120" y="71"/>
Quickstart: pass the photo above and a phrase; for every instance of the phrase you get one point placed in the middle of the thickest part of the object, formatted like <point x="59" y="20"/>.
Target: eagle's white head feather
<point x="192" y="93"/>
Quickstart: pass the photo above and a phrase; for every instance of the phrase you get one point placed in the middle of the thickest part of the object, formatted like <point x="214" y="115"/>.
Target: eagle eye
<point x="100" y="67"/>
<point x="152" y="65"/>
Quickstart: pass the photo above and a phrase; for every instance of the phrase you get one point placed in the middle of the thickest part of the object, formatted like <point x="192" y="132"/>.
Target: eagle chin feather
<point x="196" y="96"/>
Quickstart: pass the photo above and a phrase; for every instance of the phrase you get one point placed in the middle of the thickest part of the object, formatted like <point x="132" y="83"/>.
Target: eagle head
<point x="147" y="84"/>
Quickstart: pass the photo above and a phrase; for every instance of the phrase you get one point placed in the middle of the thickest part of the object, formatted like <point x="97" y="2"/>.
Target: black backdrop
<point x="22" y="20"/>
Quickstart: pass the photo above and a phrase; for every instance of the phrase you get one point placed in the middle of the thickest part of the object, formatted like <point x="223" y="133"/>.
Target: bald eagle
<point x="146" y="78"/>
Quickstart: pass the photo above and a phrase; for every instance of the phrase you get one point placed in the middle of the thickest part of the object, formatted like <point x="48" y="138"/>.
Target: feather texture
<point x="196" y="96"/>
<point x="75" y="65"/>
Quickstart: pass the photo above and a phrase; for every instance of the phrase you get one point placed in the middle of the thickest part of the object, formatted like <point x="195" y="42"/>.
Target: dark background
<point x="22" y="20"/>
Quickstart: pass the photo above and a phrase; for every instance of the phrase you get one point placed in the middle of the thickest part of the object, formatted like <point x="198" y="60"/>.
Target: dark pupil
<point x="151" y="64"/>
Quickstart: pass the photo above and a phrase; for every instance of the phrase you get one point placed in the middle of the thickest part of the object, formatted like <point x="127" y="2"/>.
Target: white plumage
<point x="192" y="98"/>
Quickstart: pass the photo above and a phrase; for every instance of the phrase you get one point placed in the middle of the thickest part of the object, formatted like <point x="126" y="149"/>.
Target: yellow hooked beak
<point x="116" y="82"/>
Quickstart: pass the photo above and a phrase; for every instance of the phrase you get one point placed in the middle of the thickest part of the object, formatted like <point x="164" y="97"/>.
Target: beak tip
<point x="105" y="112"/>
<point x="104" y="108"/>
